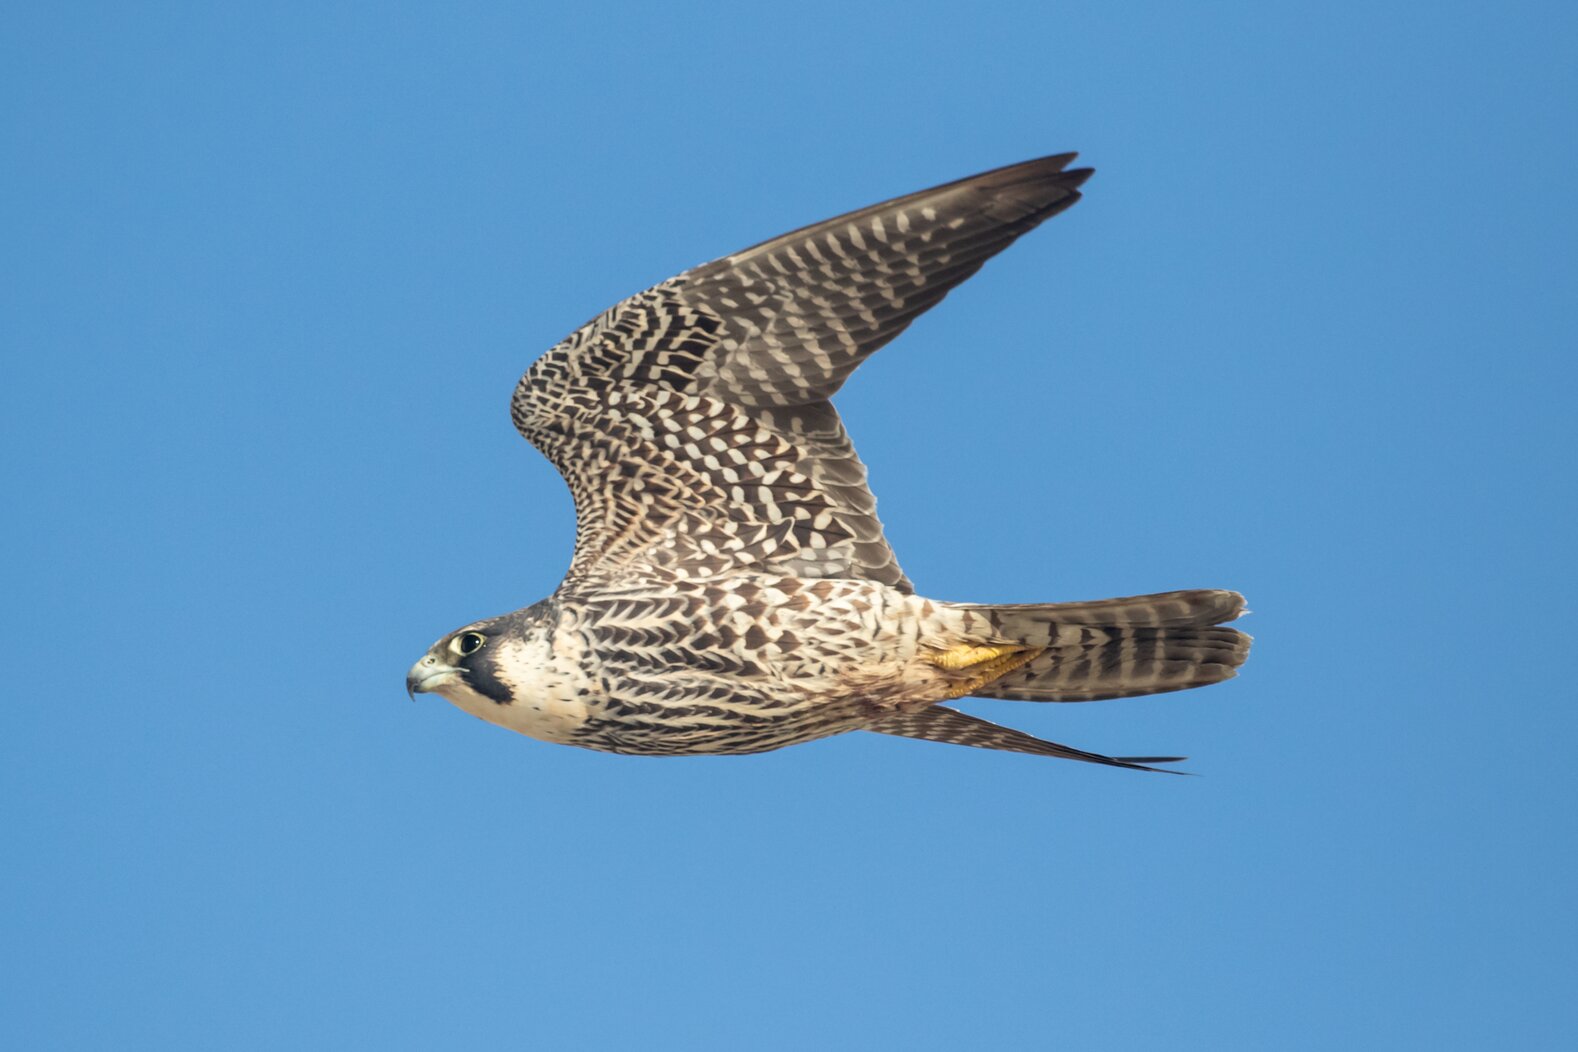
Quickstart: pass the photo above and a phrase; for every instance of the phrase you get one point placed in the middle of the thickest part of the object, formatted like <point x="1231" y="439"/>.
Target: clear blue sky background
<point x="271" y="271"/>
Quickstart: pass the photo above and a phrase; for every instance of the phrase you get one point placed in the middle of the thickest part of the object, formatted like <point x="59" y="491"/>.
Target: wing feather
<point x="692" y="420"/>
<point x="942" y="724"/>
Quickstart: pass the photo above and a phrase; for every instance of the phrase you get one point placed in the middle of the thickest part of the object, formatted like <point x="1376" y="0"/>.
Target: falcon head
<point x="523" y="671"/>
<point x="498" y="662"/>
<point x="464" y="664"/>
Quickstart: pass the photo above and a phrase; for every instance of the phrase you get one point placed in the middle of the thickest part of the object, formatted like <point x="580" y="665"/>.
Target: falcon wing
<point x="692" y="420"/>
<point x="942" y="724"/>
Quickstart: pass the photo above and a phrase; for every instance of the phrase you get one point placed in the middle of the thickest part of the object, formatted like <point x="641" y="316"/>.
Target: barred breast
<point x="742" y="664"/>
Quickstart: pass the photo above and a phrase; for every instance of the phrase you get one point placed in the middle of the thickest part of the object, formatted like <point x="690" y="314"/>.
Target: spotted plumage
<point x="731" y="589"/>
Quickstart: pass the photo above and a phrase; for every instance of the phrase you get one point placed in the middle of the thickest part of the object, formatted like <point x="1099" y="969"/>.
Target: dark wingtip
<point x="1054" y="161"/>
<point x="1053" y="168"/>
<point x="1142" y="763"/>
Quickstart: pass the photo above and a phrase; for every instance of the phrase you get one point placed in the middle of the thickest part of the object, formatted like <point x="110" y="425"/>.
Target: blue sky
<point x="271" y="272"/>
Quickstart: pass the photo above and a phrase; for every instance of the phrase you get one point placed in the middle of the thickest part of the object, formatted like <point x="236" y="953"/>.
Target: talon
<point x="981" y="663"/>
<point x="968" y="655"/>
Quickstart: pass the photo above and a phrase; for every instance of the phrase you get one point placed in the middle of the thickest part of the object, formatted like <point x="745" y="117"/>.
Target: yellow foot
<point x="980" y="663"/>
<point x="966" y="655"/>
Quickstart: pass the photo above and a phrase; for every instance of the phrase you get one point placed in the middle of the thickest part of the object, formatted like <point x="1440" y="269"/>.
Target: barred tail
<point x="1113" y="648"/>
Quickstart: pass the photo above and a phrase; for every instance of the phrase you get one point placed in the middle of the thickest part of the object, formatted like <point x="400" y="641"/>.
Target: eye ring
<point x="468" y="643"/>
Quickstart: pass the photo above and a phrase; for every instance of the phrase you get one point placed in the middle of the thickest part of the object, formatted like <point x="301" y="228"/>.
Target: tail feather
<point x="942" y="724"/>
<point x="1028" y="622"/>
<point x="1114" y="648"/>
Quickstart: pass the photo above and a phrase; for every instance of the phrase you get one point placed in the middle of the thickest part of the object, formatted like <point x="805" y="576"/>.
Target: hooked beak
<point x="426" y="674"/>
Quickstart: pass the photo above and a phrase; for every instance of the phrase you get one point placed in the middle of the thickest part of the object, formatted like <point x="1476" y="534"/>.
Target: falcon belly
<point x="731" y="589"/>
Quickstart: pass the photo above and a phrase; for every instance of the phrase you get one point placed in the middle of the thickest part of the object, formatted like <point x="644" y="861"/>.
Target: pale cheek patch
<point x="545" y="696"/>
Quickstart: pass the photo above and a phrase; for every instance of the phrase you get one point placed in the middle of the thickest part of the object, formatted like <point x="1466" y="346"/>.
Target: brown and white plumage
<point x="731" y="589"/>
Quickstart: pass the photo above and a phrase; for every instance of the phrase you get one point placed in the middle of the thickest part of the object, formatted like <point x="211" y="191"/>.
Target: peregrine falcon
<point x="731" y="591"/>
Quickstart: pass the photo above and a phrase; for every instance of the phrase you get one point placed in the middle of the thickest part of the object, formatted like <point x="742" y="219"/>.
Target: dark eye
<point x="468" y="643"/>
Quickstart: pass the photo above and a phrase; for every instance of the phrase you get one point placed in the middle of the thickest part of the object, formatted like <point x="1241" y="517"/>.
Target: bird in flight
<point x="731" y="590"/>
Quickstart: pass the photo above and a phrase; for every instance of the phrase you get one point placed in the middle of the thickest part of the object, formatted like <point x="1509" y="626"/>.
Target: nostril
<point x="428" y="660"/>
